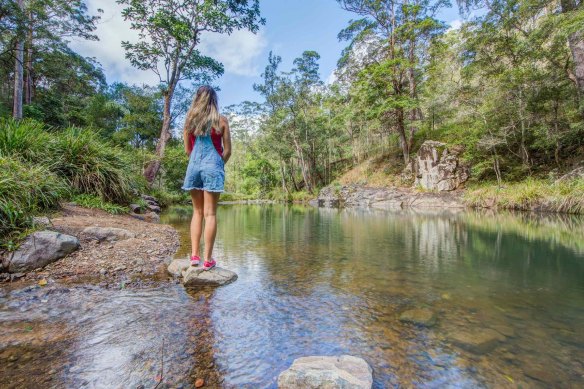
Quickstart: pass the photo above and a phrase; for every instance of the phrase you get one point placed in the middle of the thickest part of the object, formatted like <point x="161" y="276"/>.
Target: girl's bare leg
<point x="197" y="221"/>
<point x="210" y="209"/>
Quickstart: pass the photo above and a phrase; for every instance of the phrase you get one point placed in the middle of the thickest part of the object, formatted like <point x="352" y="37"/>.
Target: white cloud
<point x="238" y="52"/>
<point x="108" y="51"/>
<point x="455" y="25"/>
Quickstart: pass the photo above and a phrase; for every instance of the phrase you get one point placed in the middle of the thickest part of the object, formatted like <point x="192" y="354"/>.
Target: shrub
<point x="93" y="166"/>
<point x="90" y="201"/>
<point x="26" y="190"/>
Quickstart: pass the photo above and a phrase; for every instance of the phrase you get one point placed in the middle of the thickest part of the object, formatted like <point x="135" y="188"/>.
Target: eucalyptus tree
<point x="44" y="26"/>
<point x="170" y="32"/>
<point x="392" y="37"/>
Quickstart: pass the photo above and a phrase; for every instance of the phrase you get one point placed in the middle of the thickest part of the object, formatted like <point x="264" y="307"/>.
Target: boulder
<point x="327" y="372"/>
<point x="178" y="266"/>
<point x="136" y="208"/>
<point x="152" y="217"/>
<point x="42" y="221"/>
<point x="109" y="234"/>
<point x="477" y="342"/>
<point x="421" y="316"/>
<point x="40" y="249"/>
<point x="435" y="167"/>
<point x="154" y="208"/>
<point x="196" y="277"/>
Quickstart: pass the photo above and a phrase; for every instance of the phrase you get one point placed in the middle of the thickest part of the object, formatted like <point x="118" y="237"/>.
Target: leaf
<point x="43" y="282"/>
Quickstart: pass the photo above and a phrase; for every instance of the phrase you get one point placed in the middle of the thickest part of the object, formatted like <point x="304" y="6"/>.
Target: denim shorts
<point x="206" y="169"/>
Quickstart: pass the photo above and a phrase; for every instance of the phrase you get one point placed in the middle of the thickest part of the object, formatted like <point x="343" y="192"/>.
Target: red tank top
<point x="215" y="137"/>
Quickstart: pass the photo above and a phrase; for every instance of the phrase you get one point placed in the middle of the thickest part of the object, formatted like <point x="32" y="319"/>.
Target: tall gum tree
<point x="395" y="35"/>
<point x="169" y="32"/>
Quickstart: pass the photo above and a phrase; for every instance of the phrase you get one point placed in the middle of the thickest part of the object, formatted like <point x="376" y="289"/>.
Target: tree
<point x="395" y="36"/>
<point x="170" y="31"/>
<point x="43" y="27"/>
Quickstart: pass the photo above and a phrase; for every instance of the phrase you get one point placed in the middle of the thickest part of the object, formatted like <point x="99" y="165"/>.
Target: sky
<point x="292" y="26"/>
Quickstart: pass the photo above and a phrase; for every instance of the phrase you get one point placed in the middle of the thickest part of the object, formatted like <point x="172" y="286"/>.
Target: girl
<point x="208" y="142"/>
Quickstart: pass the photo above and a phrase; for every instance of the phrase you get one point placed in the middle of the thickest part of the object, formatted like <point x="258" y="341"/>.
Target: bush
<point x="90" y="201"/>
<point x="26" y="190"/>
<point x="93" y="166"/>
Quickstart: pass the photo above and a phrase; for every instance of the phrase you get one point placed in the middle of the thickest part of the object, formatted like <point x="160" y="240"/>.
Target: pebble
<point x="199" y="383"/>
<point x="103" y="272"/>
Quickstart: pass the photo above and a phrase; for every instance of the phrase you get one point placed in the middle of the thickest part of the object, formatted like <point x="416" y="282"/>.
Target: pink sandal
<point x="195" y="260"/>
<point x="209" y="265"/>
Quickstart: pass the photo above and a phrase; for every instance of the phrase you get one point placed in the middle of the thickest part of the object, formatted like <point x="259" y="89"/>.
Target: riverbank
<point x="136" y="259"/>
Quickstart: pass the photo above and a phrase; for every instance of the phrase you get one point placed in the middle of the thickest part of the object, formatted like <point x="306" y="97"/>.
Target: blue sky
<point x="292" y="26"/>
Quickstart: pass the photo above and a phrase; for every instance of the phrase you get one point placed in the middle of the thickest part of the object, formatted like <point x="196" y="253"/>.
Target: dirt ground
<point x="124" y="263"/>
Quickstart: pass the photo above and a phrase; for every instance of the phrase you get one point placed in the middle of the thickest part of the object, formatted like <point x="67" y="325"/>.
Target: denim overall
<point x="206" y="170"/>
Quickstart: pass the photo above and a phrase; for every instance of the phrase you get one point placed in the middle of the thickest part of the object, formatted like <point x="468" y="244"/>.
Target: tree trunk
<point x="28" y="82"/>
<point x="401" y="129"/>
<point x="18" y="74"/>
<point x="305" y="172"/>
<point x="154" y="166"/>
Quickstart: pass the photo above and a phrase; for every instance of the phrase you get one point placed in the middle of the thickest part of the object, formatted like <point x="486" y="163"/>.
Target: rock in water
<point x="421" y="317"/>
<point x="108" y="233"/>
<point x="438" y="168"/>
<point x="178" y="266"/>
<point x="196" y="277"/>
<point x="40" y="249"/>
<point x="478" y="342"/>
<point x="327" y="372"/>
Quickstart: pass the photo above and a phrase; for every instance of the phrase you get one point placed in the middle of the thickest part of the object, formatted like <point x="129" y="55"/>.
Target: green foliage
<point x="91" y="201"/>
<point x="25" y="190"/>
<point x="530" y="194"/>
<point x="174" y="167"/>
<point x="92" y="166"/>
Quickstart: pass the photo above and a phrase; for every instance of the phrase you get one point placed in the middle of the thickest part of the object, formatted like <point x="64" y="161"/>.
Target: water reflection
<point x="324" y="282"/>
<point x="335" y="281"/>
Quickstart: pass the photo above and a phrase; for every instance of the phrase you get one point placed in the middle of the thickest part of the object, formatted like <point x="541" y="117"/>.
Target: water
<point x="323" y="282"/>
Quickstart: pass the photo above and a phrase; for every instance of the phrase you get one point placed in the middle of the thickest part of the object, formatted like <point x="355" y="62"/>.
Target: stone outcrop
<point x="198" y="277"/>
<point x="386" y="198"/>
<point x="327" y="372"/>
<point x="109" y="234"/>
<point x="38" y="250"/>
<point x="436" y="167"/>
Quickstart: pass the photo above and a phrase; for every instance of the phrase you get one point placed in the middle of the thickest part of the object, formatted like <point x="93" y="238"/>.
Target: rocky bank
<point x="436" y="175"/>
<point x="95" y="247"/>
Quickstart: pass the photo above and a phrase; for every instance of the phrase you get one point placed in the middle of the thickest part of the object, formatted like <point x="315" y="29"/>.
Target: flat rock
<point x="39" y="249"/>
<point x="196" y="277"/>
<point x="178" y="266"/>
<point x="478" y="342"/>
<point x="420" y="316"/>
<point x="327" y="372"/>
<point x="109" y="234"/>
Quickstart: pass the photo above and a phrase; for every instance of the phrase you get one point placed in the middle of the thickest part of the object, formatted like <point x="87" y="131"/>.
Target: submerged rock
<point x="178" y="266"/>
<point x="327" y="372"/>
<point x="196" y="276"/>
<point x="478" y="342"/>
<point x="109" y="234"/>
<point x="421" y="316"/>
<point x="40" y="249"/>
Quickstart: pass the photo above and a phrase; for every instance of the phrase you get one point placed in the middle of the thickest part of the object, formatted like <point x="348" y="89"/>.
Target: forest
<point x="507" y="86"/>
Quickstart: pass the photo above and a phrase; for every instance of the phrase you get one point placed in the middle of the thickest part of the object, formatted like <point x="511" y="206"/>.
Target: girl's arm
<point x="186" y="141"/>
<point x="226" y="139"/>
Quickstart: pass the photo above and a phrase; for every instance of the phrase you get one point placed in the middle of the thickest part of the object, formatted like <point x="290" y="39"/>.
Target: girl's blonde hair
<point x="203" y="113"/>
